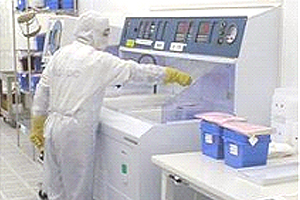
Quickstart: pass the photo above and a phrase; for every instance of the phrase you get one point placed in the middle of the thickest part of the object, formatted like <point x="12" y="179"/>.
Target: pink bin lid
<point x="247" y="128"/>
<point x="218" y="117"/>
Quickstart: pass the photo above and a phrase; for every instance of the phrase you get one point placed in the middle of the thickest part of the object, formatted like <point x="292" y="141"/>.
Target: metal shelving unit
<point x="6" y="97"/>
<point x="22" y="116"/>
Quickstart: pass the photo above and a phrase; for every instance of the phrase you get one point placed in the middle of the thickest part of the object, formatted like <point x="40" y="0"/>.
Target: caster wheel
<point x="41" y="157"/>
<point x="14" y="124"/>
<point x="43" y="195"/>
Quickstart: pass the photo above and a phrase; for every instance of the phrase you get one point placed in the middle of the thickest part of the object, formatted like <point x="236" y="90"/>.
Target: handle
<point x="177" y="180"/>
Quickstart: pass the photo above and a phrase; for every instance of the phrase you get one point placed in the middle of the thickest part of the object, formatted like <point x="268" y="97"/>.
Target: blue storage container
<point x="60" y="4"/>
<point x="39" y="41"/>
<point x="52" y="4"/>
<point x="239" y="152"/>
<point x="23" y="81"/>
<point x="35" y="78"/>
<point x="211" y="140"/>
<point x="37" y="63"/>
<point x="212" y="132"/>
<point x="67" y="4"/>
<point x="21" y="5"/>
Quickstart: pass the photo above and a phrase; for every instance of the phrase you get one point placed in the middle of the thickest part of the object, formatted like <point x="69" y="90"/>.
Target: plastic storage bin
<point x="60" y="4"/>
<point x="39" y="41"/>
<point x="24" y="83"/>
<point x="52" y="4"/>
<point x="67" y="4"/>
<point x="211" y="140"/>
<point x="21" y="5"/>
<point x="245" y="144"/>
<point x="212" y="132"/>
<point x="35" y="78"/>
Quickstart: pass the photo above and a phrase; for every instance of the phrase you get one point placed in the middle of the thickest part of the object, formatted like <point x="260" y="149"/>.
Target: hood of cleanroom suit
<point x="70" y="93"/>
<point x="93" y="30"/>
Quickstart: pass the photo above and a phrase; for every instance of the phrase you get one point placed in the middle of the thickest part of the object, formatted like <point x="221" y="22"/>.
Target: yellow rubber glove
<point x="37" y="131"/>
<point x="174" y="75"/>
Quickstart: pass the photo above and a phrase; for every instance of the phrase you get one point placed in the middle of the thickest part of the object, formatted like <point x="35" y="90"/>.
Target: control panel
<point x="216" y="36"/>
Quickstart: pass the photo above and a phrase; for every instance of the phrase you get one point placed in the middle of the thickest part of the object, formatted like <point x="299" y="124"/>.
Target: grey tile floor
<point x="19" y="174"/>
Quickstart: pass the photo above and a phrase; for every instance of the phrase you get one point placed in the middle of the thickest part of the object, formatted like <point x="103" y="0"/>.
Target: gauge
<point x="231" y="34"/>
<point x="55" y="36"/>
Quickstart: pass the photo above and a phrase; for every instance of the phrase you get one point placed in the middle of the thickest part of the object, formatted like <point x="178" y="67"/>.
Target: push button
<point x="220" y="40"/>
<point x="223" y="24"/>
<point x="130" y="43"/>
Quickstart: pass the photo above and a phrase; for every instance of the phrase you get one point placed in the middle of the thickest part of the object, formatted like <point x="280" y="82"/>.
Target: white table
<point x="215" y="179"/>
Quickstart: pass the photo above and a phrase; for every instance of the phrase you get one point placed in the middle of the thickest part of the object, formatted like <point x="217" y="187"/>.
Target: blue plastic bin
<point x="52" y="4"/>
<point x="39" y="41"/>
<point x="238" y="152"/>
<point x="21" y="5"/>
<point x="67" y="4"/>
<point x="35" y="78"/>
<point x="23" y="81"/>
<point x="211" y="139"/>
<point x="60" y="4"/>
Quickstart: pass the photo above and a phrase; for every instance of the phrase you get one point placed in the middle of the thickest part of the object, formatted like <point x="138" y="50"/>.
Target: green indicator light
<point x="124" y="169"/>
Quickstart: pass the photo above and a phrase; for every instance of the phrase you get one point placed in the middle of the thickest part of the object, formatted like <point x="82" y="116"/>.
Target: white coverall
<point x="70" y="93"/>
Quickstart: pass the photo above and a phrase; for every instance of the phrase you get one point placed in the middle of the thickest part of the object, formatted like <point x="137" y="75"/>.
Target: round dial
<point x="55" y="37"/>
<point x="231" y="34"/>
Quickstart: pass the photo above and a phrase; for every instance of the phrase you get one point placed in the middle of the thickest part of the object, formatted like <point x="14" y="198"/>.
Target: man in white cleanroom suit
<point x="68" y="102"/>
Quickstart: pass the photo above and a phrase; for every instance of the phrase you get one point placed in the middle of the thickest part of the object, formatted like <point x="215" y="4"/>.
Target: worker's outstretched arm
<point x="176" y="76"/>
<point x="125" y="70"/>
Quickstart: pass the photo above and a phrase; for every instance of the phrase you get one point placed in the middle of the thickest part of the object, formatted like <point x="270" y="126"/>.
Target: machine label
<point x="209" y="139"/>
<point x="253" y="140"/>
<point x="233" y="149"/>
<point x="175" y="46"/>
<point x="144" y="42"/>
<point x="159" y="45"/>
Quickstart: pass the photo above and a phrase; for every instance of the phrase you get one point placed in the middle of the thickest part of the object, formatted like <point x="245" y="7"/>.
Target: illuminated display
<point x="204" y="32"/>
<point x="182" y="30"/>
<point x="183" y="27"/>
<point x="204" y="28"/>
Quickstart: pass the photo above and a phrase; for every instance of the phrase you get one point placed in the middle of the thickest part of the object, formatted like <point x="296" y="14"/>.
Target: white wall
<point x="117" y="10"/>
<point x="5" y="36"/>
<point x="290" y="44"/>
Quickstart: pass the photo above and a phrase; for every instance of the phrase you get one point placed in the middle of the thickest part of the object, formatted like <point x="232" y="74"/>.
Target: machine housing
<point x="233" y="57"/>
